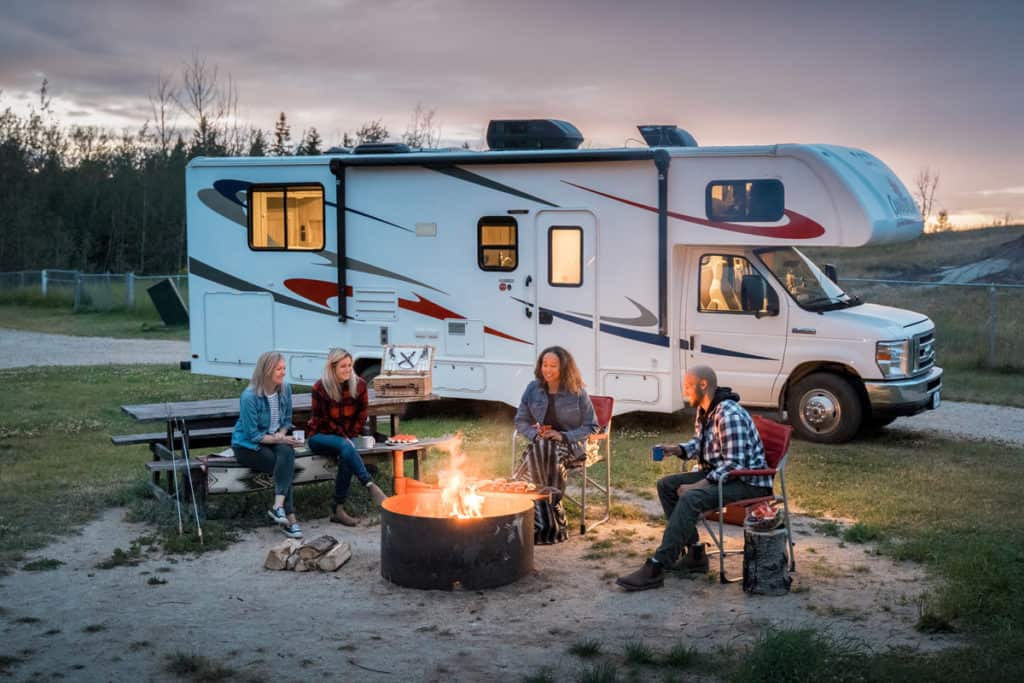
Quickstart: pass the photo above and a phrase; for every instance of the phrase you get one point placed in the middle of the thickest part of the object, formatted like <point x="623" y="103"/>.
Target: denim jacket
<point x="574" y="411"/>
<point x="254" y="417"/>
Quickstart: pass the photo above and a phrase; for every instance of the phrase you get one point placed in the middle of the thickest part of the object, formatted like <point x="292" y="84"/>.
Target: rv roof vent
<point x="666" y="136"/>
<point x="382" y="148"/>
<point x="533" y="134"/>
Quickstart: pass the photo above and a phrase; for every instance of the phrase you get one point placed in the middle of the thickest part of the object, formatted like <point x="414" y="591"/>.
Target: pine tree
<point x="257" y="143"/>
<point x="282" y="137"/>
<point x="310" y="145"/>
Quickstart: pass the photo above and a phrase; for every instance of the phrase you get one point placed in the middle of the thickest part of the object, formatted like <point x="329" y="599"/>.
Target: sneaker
<point x="651" y="575"/>
<point x="278" y="516"/>
<point x="292" y="531"/>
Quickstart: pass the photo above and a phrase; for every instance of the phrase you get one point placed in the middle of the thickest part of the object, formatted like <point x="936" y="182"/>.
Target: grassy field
<point x="60" y="320"/>
<point x="948" y="504"/>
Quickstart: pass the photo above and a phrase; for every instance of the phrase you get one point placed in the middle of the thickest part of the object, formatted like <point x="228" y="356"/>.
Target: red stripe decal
<point x="320" y="291"/>
<point x="315" y="290"/>
<point x="800" y="227"/>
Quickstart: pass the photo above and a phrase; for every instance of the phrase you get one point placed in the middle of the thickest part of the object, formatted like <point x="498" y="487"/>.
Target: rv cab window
<point x="289" y="217"/>
<point x="730" y="284"/>
<point x="497" y="243"/>
<point x="745" y="201"/>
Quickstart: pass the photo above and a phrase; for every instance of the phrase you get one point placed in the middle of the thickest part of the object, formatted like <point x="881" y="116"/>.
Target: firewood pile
<point x="504" y="486"/>
<point x="324" y="553"/>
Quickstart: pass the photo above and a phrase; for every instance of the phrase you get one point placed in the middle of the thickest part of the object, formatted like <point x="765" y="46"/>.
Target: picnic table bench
<point x="209" y="423"/>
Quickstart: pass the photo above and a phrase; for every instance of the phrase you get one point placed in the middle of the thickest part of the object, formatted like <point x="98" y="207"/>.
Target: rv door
<point x="567" y="286"/>
<point x="733" y="320"/>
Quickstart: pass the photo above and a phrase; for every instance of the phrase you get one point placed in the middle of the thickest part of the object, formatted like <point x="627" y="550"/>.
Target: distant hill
<point x="985" y="255"/>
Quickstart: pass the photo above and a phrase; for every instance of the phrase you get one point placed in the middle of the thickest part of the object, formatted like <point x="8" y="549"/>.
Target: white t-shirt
<point x="275" y="412"/>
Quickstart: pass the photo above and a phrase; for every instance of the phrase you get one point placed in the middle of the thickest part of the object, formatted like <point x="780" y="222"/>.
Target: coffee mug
<point x="299" y="435"/>
<point x="658" y="453"/>
<point x="365" y="442"/>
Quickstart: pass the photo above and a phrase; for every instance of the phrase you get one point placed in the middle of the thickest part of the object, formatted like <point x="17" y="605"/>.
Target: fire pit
<point x="424" y="545"/>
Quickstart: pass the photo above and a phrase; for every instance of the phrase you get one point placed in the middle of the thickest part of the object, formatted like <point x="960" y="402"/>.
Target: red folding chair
<point x="776" y="438"/>
<point x="603" y="408"/>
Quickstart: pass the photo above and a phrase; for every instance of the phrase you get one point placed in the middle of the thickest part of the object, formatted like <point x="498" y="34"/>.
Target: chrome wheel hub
<point x="821" y="411"/>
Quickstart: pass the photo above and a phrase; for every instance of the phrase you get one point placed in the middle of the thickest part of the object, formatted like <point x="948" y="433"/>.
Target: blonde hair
<point x="330" y="380"/>
<point x="569" y="377"/>
<point x="263" y="373"/>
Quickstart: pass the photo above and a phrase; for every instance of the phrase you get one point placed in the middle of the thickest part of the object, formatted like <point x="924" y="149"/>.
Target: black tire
<point x="825" y="408"/>
<point x="369" y="372"/>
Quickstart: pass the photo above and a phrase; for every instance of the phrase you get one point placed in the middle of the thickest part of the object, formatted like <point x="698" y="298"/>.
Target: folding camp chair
<point x="776" y="438"/>
<point x="603" y="407"/>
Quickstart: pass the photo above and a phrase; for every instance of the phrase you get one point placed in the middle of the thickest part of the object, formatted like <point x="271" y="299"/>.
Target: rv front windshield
<point x="804" y="281"/>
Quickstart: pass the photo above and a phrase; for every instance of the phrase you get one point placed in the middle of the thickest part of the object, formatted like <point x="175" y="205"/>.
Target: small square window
<point x="498" y="243"/>
<point x="565" y="256"/>
<point x="289" y="217"/>
<point x="745" y="201"/>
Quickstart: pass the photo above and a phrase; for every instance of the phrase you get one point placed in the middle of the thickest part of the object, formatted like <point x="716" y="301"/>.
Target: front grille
<point x="924" y="356"/>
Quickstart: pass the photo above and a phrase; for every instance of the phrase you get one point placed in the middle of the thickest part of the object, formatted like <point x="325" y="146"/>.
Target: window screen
<point x="497" y="243"/>
<point x="565" y="256"/>
<point x="745" y="201"/>
<point x="287" y="217"/>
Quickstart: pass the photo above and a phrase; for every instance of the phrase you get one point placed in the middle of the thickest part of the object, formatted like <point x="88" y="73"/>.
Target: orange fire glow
<point x="458" y="493"/>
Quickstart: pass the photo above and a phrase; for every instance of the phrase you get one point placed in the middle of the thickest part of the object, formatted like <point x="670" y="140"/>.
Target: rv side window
<point x="286" y="217"/>
<point x="729" y="284"/>
<point x="497" y="243"/>
<point x="565" y="256"/>
<point x="745" y="201"/>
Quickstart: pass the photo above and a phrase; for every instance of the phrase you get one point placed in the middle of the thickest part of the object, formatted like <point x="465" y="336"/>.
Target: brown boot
<point x="376" y="494"/>
<point x="651" y="575"/>
<point x="339" y="516"/>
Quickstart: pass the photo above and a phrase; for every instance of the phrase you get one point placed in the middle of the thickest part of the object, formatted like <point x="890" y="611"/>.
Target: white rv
<point x="642" y="262"/>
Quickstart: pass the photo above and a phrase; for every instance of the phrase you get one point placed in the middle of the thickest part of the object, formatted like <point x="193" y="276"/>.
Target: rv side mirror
<point x="831" y="273"/>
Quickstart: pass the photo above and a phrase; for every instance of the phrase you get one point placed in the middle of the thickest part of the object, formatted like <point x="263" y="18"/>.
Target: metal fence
<point x="977" y="324"/>
<point x="85" y="291"/>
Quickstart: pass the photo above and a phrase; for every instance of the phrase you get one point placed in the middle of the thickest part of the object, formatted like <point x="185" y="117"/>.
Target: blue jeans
<point x="277" y="459"/>
<point x="349" y="462"/>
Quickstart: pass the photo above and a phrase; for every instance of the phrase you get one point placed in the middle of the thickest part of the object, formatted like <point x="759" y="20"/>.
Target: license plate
<point x="936" y="400"/>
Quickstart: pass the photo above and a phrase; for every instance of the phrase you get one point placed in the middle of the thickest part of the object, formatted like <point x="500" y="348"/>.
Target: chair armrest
<point x="749" y="473"/>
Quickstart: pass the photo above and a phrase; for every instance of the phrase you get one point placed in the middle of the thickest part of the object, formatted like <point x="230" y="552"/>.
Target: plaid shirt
<point x="726" y="439"/>
<point x="344" y="418"/>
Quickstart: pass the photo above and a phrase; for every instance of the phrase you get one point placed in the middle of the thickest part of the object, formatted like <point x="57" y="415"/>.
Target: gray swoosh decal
<point x="223" y="206"/>
<point x="208" y="272"/>
<point x="477" y="179"/>
<point x="645" y="319"/>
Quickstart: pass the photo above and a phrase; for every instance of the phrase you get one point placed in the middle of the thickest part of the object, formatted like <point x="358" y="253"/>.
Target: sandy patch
<point x="96" y="624"/>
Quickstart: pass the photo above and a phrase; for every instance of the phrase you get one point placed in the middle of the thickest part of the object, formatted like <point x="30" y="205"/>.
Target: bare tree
<point x="162" y="99"/>
<point x="213" y="108"/>
<point x="926" y="183"/>
<point x="423" y="130"/>
<point x="372" y="131"/>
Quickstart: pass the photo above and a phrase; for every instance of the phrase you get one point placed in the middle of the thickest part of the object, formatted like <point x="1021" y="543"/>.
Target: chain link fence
<point x="976" y="324"/>
<point x="85" y="291"/>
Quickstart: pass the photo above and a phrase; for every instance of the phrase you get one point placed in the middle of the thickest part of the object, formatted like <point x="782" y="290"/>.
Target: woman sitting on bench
<point x="260" y="440"/>
<point x="337" y="416"/>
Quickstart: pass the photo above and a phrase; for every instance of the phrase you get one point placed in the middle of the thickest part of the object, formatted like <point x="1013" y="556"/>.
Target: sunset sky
<point x="918" y="83"/>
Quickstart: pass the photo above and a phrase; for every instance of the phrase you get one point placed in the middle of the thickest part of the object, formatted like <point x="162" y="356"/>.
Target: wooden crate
<point x="405" y="371"/>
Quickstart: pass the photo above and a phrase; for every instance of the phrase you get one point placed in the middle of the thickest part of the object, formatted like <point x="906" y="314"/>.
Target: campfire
<point x="464" y="532"/>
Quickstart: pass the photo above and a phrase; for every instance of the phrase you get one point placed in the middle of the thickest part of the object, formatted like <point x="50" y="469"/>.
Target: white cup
<point x="366" y="442"/>
<point x="299" y="435"/>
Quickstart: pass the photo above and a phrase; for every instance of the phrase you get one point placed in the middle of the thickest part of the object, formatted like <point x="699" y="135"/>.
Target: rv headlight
<point x="893" y="358"/>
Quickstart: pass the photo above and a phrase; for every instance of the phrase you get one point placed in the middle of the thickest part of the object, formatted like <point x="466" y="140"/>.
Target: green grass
<point x="118" y="324"/>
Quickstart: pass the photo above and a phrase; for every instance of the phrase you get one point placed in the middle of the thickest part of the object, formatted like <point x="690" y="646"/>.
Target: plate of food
<point x="401" y="439"/>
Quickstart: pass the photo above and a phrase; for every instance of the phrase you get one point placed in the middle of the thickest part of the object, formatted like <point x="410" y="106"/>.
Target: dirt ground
<point x="87" y="624"/>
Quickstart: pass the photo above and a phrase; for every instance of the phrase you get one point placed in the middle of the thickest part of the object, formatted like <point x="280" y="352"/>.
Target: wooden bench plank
<point x="140" y="439"/>
<point x="228" y="407"/>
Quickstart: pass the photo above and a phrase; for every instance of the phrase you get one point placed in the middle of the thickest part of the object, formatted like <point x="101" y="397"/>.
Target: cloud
<point x="1006" y="190"/>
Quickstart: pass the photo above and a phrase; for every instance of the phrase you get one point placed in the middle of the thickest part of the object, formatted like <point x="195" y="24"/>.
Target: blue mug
<point x="658" y="453"/>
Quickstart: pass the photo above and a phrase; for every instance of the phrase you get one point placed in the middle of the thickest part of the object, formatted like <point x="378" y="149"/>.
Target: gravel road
<point x="20" y="349"/>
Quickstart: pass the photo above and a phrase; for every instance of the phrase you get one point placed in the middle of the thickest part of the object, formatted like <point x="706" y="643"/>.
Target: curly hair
<point x="569" y="378"/>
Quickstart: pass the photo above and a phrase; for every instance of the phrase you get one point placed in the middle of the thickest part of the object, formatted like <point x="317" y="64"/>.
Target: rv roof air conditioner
<point x="666" y="136"/>
<point x="533" y="134"/>
<point x="382" y="148"/>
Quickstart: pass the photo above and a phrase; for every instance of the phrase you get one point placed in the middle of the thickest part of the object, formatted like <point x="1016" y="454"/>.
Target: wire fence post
<point x="78" y="292"/>
<point x="42" y="282"/>
<point x="129" y="291"/>
<point x="991" y="327"/>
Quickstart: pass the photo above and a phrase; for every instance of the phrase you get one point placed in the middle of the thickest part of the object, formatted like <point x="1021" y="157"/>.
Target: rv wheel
<point x="824" y="408"/>
<point x="369" y="372"/>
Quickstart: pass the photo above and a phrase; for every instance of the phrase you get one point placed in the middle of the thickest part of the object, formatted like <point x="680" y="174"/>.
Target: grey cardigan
<point x="574" y="411"/>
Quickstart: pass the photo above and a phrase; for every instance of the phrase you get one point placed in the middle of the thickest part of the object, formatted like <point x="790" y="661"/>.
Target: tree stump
<point x="764" y="562"/>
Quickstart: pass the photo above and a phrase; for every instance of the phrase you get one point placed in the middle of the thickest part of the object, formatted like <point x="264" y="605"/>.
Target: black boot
<point x="651" y="575"/>
<point x="695" y="561"/>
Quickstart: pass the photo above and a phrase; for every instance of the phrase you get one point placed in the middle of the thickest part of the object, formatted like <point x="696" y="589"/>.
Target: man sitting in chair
<point x="726" y="439"/>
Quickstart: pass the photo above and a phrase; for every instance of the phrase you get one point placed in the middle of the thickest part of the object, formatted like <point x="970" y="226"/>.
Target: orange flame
<point x="458" y="494"/>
